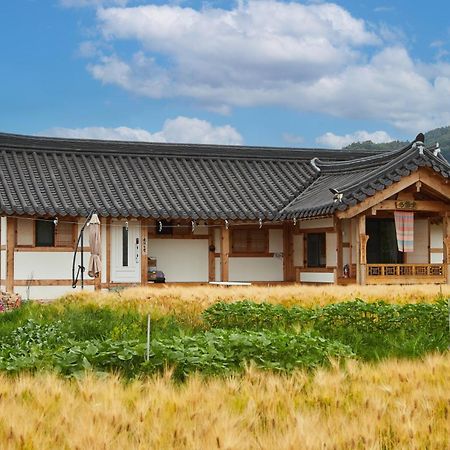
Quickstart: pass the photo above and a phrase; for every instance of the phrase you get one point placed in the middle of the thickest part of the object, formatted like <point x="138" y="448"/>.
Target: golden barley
<point x="191" y="301"/>
<point x="361" y="406"/>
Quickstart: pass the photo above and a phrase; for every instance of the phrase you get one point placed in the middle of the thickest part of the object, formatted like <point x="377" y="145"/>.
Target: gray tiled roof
<point x="51" y="176"/>
<point x="360" y="178"/>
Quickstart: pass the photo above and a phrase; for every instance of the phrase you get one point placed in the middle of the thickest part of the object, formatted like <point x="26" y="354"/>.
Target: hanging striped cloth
<point x="404" y="227"/>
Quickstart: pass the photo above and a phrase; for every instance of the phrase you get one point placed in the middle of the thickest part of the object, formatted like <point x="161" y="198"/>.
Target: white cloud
<point x="310" y="57"/>
<point x="181" y="129"/>
<point x="95" y="3"/>
<point x="332" y="140"/>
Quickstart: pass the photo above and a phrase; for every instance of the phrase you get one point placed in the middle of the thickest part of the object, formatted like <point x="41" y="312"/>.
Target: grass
<point x="394" y="404"/>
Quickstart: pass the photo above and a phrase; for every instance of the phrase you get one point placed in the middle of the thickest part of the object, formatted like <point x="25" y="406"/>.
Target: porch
<point x="406" y="274"/>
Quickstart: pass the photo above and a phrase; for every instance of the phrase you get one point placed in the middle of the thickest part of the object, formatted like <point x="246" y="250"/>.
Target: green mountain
<point x="441" y="135"/>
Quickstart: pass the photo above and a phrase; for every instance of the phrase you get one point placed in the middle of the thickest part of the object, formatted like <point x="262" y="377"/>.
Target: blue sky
<point x="264" y="72"/>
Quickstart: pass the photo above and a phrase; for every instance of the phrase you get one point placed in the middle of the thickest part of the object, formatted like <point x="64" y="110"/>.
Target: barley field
<point x="191" y="301"/>
<point x="394" y="404"/>
<point x="283" y="367"/>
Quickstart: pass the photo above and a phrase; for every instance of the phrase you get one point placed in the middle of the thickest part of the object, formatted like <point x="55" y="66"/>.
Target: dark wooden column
<point x="446" y="234"/>
<point x="11" y="227"/>
<point x="362" y="257"/>
<point x="288" y="252"/>
<point x="211" y="255"/>
<point x="339" y="250"/>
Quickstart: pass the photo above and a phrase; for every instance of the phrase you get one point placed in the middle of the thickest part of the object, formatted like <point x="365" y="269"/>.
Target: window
<point x="45" y="233"/>
<point x="49" y="235"/>
<point x="249" y="241"/>
<point x="125" y="246"/>
<point x="316" y="250"/>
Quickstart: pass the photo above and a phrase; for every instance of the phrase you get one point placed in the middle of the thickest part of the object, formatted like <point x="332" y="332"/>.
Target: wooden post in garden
<point x="11" y="226"/>
<point x="225" y="254"/>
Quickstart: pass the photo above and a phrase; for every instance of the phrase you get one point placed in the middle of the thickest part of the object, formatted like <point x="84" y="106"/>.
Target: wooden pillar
<point x="363" y="238"/>
<point x="11" y="226"/>
<point x="446" y="233"/>
<point x="288" y="253"/>
<point x="339" y="251"/>
<point x="211" y="255"/>
<point x="144" y="252"/>
<point x="225" y="254"/>
<point x="108" y="251"/>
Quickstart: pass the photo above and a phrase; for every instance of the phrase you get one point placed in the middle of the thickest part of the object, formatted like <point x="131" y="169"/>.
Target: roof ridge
<point x="131" y="148"/>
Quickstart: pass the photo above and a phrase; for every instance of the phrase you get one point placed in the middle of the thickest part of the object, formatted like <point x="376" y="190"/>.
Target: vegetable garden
<point x="70" y="338"/>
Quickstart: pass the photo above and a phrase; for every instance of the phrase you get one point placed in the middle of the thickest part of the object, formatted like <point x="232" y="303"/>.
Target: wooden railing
<point x="408" y="273"/>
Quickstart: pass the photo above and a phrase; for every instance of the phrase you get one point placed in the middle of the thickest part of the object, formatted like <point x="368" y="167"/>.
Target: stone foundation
<point x="9" y="301"/>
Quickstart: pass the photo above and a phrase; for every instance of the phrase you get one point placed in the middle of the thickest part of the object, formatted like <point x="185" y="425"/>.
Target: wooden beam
<point x="11" y="225"/>
<point x="288" y="253"/>
<point x="211" y="255"/>
<point x="225" y="254"/>
<point x="413" y="205"/>
<point x="144" y="252"/>
<point x="446" y="256"/>
<point x="339" y="250"/>
<point x="369" y="202"/>
<point x="363" y="238"/>
<point x="108" y="250"/>
<point x="53" y="282"/>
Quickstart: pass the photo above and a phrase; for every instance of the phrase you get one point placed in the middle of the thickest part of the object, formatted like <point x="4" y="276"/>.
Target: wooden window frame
<point x="54" y="248"/>
<point x="263" y="253"/>
<point x="305" y="251"/>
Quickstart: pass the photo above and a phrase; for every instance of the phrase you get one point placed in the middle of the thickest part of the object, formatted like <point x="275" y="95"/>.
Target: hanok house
<point x="215" y="213"/>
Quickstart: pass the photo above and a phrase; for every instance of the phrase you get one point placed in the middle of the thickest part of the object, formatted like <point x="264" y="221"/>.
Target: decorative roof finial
<point x="313" y="163"/>
<point x="420" y="138"/>
<point x="437" y="150"/>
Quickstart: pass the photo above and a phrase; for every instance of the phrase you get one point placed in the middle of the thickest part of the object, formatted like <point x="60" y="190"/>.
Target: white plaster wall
<point x="436" y="242"/>
<point x="103" y="239"/>
<point x="436" y="258"/>
<point x="354" y="241"/>
<point x="3" y="231"/>
<point x="346" y="255"/>
<point x="46" y="265"/>
<point x="331" y="242"/>
<point x="218" y="274"/>
<point x="298" y="250"/>
<point x="47" y="292"/>
<point x="317" y="223"/>
<point x="3" y="264"/>
<point x="316" y="277"/>
<point x="420" y="253"/>
<point x="181" y="260"/>
<point x="275" y="241"/>
<point x="346" y="230"/>
<point x="256" y="269"/>
<point x="25" y="232"/>
<point x="436" y="236"/>
<point x="2" y="269"/>
<point x="217" y="240"/>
